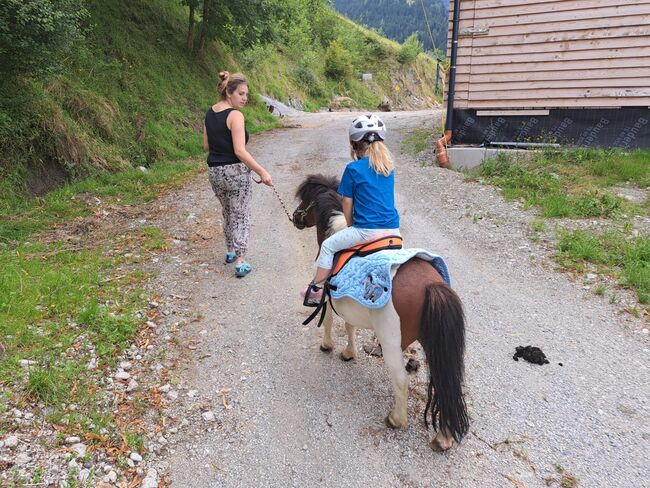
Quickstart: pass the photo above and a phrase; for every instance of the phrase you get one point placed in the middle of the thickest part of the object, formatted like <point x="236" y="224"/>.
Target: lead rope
<point x="284" y="207"/>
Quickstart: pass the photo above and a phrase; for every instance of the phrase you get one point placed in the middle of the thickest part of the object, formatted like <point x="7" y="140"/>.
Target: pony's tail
<point x="442" y="335"/>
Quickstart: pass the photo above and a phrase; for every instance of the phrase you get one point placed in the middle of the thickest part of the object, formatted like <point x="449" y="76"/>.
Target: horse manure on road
<point x="412" y="365"/>
<point x="531" y="354"/>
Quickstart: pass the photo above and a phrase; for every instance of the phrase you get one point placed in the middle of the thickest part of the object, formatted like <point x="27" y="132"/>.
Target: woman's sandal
<point x="242" y="270"/>
<point x="230" y="257"/>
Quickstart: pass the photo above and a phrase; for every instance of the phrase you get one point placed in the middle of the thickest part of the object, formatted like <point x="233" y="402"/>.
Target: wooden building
<point x="568" y="71"/>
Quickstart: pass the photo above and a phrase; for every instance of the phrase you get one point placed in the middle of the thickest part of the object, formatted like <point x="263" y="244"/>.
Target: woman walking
<point x="230" y="166"/>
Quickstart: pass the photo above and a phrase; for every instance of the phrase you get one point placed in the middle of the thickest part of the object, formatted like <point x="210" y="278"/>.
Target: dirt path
<point x="259" y="405"/>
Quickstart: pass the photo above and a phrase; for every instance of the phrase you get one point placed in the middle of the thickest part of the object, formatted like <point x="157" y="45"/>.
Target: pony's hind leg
<point x="350" y="351"/>
<point x="327" y="344"/>
<point x="442" y="441"/>
<point x="387" y="327"/>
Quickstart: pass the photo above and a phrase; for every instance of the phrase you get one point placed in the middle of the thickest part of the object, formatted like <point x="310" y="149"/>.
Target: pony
<point x="421" y="307"/>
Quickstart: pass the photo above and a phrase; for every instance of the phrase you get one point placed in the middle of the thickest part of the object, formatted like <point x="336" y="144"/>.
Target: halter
<point x="302" y="212"/>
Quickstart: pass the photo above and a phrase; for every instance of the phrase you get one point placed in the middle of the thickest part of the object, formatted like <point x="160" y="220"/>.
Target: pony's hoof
<point x="345" y="357"/>
<point x="390" y="423"/>
<point x="326" y="348"/>
<point x="441" y="444"/>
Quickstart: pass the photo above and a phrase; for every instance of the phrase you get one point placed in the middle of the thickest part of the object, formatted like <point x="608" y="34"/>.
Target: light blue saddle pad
<point x="368" y="279"/>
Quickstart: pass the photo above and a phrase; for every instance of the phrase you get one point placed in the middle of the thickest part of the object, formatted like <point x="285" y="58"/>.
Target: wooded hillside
<point x="398" y="19"/>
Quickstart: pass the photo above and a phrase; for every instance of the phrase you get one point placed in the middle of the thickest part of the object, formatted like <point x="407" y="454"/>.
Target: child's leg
<point x="343" y="239"/>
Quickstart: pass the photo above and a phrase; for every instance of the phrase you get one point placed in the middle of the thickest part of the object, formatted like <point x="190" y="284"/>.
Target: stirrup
<point x="311" y="289"/>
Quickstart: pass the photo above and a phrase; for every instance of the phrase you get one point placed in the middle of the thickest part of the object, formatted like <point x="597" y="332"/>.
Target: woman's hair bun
<point x="224" y="75"/>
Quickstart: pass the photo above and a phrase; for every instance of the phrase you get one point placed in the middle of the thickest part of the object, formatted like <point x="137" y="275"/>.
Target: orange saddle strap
<point x="364" y="249"/>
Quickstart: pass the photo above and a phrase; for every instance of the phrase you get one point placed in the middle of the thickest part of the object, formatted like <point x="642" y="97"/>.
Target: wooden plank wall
<point x="552" y="53"/>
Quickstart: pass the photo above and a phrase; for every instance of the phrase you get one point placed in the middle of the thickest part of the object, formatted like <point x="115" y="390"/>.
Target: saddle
<point x="342" y="257"/>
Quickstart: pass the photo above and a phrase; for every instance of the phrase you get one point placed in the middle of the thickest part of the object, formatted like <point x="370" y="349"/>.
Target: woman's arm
<point x="206" y="146"/>
<point x="347" y="210"/>
<point x="236" y="119"/>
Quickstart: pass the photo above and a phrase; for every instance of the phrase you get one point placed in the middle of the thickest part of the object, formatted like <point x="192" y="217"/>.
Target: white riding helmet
<point x="369" y="128"/>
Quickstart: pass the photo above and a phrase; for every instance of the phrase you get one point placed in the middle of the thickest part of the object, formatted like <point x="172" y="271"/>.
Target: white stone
<point x="72" y="439"/>
<point x="151" y="480"/>
<point x="172" y="395"/>
<point x="126" y="365"/>
<point x="164" y="388"/>
<point x="79" y="449"/>
<point x="135" y="457"/>
<point x="122" y="375"/>
<point x="83" y="475"/>
<point x="22" y="458"/>
<point x="26" y="363"/>
<point x="133" y="385"/>
<point x="11" y="441"/>
<point x="208" y="416"/>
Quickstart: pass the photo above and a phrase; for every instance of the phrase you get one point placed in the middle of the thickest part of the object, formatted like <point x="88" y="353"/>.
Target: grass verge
<point x="71" y="295"/>
<point x="584" y="184"/>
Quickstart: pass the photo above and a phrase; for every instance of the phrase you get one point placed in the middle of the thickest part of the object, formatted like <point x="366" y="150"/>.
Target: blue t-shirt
<point x="372" y="194"/>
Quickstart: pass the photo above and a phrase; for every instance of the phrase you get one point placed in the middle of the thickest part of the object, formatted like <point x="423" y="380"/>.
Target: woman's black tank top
<point x="220" y="138"/>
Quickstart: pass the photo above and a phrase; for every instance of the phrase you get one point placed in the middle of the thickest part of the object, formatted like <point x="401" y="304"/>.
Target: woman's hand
<point x="265" y="178"/>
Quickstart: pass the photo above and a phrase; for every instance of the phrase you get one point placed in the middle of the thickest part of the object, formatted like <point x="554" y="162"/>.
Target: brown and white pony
<point x="422" y="307"/>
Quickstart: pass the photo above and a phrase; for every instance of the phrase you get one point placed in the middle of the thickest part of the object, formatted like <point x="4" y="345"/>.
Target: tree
<point x="410" y="49"/>
<point x="193" y="5"/>
<point x="37" y="35"/>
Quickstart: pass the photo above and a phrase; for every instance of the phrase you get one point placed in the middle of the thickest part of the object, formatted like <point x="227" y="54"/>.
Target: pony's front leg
<point x="350" y="351"/>
<point x="387" y="327"/>
<point x="327" y="344"/>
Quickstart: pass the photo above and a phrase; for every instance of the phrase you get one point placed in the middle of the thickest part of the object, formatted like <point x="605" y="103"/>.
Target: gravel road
<point x="266" y="408"/>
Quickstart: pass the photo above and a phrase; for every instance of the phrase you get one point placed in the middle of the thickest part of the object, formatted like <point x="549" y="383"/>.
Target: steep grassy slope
<point x="133" y="95"/>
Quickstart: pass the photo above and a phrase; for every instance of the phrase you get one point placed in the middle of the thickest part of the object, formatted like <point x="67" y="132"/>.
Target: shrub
<point x="410" y="49"/>
<point x="376" y="48"/>
<point x="338" y="64"/>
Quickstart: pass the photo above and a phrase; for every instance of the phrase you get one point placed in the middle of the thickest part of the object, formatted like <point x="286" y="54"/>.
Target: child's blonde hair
<point x="378" y="154"/>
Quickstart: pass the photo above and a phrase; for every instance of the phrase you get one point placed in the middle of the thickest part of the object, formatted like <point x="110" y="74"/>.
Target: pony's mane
<point x="322" y="190"/>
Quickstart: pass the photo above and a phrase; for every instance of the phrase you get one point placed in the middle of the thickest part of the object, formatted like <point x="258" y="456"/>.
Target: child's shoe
<point x="312" y="295"/>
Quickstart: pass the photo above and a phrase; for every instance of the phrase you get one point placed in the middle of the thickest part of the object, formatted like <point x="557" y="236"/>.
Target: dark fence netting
<point x="627" y="127"/>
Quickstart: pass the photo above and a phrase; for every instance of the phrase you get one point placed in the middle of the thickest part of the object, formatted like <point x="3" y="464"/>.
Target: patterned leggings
<point x="232" y="184"/>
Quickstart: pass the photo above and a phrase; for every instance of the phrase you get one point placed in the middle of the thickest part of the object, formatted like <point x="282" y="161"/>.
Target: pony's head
<point x="319" y="201"/>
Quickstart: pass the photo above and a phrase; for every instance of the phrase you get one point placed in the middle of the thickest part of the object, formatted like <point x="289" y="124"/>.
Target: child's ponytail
<point x="380" y="158"/>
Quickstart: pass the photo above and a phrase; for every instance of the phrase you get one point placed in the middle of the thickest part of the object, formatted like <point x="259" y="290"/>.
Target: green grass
<point x="570" y="183"/>
<point x="614" y="252"/>
<point x="63" y="303"/>
<point x="578" y="184"/>
<point x="417" y="140"/>
<point x="23" y="216"/>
